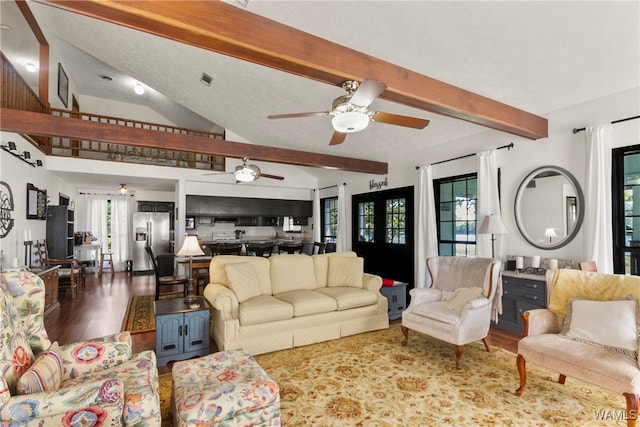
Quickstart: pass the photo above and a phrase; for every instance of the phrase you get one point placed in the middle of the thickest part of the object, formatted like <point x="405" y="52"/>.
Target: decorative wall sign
<point x="377" y="185"/>
<point x="6" y="209"/>
<point x="36" y="203"/>
<point x="63" y="86"/>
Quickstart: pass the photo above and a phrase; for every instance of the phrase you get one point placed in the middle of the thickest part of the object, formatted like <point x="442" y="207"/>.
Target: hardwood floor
<point x="99" y="308"/>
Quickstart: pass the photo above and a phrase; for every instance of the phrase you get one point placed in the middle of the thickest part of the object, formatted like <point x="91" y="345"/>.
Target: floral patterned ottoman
<point x="228" y="388"/>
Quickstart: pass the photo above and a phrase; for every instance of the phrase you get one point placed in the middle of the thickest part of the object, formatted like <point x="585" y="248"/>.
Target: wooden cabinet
<point x="50" y="279"/>
<point x="519" y="294"/>
<point x="182" y="332"/>
<point x="60" y="238"/>
<point x="241" y="206"/>
<point x="397" y="299"/>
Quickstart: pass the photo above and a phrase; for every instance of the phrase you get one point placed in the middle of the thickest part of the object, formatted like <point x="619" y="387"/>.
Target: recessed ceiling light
<point x="138" y="88"/>
<point x="31" y="68"/>
<point x="5" y="27"/>
<point x="105" y="77"/>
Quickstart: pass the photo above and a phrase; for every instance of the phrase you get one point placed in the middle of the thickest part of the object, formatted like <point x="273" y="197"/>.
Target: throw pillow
<point x="462" y="296"/>
<point x="345" y="271"/>
<point x="45" y="374"/>
<point x="610" y="324"/>
<point x="243" y="280"/>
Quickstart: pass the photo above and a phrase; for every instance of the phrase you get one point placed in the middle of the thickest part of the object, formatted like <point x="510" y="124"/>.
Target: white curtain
<point x="427" y="226"/>
<point x="94" y="217"/>
<point x="488" y="202"/>
<point x="121" y="216"/>
<point x="341" y="239"/>
<point x="317" y="216"/>
<point x="597" y="225"/>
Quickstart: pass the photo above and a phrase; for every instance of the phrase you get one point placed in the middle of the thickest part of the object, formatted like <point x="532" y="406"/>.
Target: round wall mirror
<point x="549" y="207"/>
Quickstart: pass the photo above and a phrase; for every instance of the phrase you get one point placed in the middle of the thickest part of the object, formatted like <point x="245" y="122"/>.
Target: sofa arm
<point x="477" y="303"/>
<point x="371" y="282"/>
<point x="95" y="355"/>
<point x="104" y="398"/>
<point x="422" y="295"/>
<point x="540" y="321"/>
<point x="222" y="299"/>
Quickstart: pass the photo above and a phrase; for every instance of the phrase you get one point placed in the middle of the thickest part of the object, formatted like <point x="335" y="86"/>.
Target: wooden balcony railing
<point x="133" y="154"/>
<point x="17" y="94"/>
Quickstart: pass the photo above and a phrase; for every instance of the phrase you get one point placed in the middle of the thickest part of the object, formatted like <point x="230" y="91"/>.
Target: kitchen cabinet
<point x="519" y="294"/>
<point x="60" y="237"/>
<point x="182" y="332"/>
<point x="220" y="207"/>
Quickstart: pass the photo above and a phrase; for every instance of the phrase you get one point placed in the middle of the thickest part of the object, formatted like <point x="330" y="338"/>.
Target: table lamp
<point x="550" y="232"/>
<point x="492" y="224"/>
<point x="190" y="248"/>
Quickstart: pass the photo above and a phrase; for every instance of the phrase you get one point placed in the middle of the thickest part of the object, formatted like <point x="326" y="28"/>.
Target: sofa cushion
<point x="345" y="271"/>
<point x="347" y="297"/>
<point x="217" y="273"/>
<point x="611" y="324"/>
<point x="243" y="280"/>
<point x="321" y="265"/>
<point x="45" y="374"/>
<point x="306" y="302"/>
<point x="292" y="272"/>
<point x="264" y="308"/>
<point x="437" y="311"/>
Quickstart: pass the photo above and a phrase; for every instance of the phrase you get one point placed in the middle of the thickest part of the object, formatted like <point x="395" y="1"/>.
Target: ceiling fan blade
<point x="367" y="92"/>
<point x="396" y="119"/>
<point x="337" y="138"/>
<point x="292" y="115"/>
<point x="266" y="175"/>
<point x="217" y="173"/>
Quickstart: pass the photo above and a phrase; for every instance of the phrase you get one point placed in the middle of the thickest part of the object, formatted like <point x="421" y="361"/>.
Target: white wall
<point x="16" y="174"/>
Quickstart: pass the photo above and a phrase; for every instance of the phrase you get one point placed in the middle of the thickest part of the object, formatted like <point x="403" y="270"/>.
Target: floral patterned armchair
<point x="96" y="382"/>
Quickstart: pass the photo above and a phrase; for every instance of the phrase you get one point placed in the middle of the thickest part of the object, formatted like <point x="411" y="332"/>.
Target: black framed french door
<point x="383" y="233"/>
<point x="625" y="200"/>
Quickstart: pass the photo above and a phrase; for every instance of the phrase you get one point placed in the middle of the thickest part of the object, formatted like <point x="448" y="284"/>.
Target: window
<point x="626" y="210"/>
<point x="366" y="216"/>
<point x="329" y="209"/>
<point x="456" y="214"/>
<point x="395" y="221"/>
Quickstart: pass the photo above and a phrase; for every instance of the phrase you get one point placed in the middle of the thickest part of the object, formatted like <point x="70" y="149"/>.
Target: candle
<point x="29" y="235"/>
<point x="519" y="262"/>
<point x="26" y="235"/>
<point x="553" y="264"/>
<point x="15" y="263"/>
<point x="535" y="262"/>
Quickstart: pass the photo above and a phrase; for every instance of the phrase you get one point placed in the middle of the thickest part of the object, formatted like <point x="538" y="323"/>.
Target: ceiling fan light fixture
<point x="350" y="121"/>
<point x="245" y="173"/>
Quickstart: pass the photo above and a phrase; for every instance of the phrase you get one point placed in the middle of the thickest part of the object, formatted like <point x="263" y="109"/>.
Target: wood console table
<point x="50" y="279"/>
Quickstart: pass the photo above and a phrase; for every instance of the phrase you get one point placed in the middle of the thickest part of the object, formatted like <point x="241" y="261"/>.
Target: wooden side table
<point x="182" y="330"/>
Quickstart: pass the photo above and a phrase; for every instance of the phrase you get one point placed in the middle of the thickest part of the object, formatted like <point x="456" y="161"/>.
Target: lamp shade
<point x="550" y="232"/>
<point x="350" y="121"/>
<point x="492" y="224"/>
<point x="190" y="247"/>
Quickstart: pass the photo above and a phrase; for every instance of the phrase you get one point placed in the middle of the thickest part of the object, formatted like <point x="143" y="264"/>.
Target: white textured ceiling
<point x="537" y="56"/>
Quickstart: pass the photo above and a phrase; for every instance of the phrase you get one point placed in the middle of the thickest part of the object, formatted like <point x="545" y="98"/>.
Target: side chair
<point x="167" y="280"/>
<point x="70" y="274"/>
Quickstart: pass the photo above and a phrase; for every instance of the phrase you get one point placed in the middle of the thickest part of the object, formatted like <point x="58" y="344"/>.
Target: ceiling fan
<point x="351" y="111"/>
<point x="247" y="173"/>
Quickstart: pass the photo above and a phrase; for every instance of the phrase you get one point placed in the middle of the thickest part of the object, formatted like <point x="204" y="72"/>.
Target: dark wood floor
<point x="99" y="307"/>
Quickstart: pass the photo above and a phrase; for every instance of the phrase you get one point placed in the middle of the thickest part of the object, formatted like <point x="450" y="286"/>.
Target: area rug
<point x="139" y="317"/>
<point x="372" y="380"/>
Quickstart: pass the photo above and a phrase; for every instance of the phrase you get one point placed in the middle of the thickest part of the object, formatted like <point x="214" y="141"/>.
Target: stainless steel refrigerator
<point x="149" y="229"/>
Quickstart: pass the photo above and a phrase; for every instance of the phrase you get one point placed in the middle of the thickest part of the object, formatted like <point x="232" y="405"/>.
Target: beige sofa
<point x="267" y="304"/>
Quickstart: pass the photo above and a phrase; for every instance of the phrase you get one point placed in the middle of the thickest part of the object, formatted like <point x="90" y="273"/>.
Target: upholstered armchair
<point x="589" y="331"/>
<point x="96" y="382"/>
<point x="458" y="306"/>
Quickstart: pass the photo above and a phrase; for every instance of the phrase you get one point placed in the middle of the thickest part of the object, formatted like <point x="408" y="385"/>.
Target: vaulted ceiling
<point x="533" y="56"/>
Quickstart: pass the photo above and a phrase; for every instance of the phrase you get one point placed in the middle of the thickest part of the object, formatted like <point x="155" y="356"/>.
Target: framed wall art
<point x="63" y="86"/>
<point x="36" y="202"/>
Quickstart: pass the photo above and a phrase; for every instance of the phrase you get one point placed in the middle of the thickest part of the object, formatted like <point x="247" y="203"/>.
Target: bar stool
<point x="103" y="258"/>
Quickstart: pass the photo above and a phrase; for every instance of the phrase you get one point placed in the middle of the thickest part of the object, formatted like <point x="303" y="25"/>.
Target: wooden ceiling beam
<point x="232" y="31"/>
<point x="26" y="122"/>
